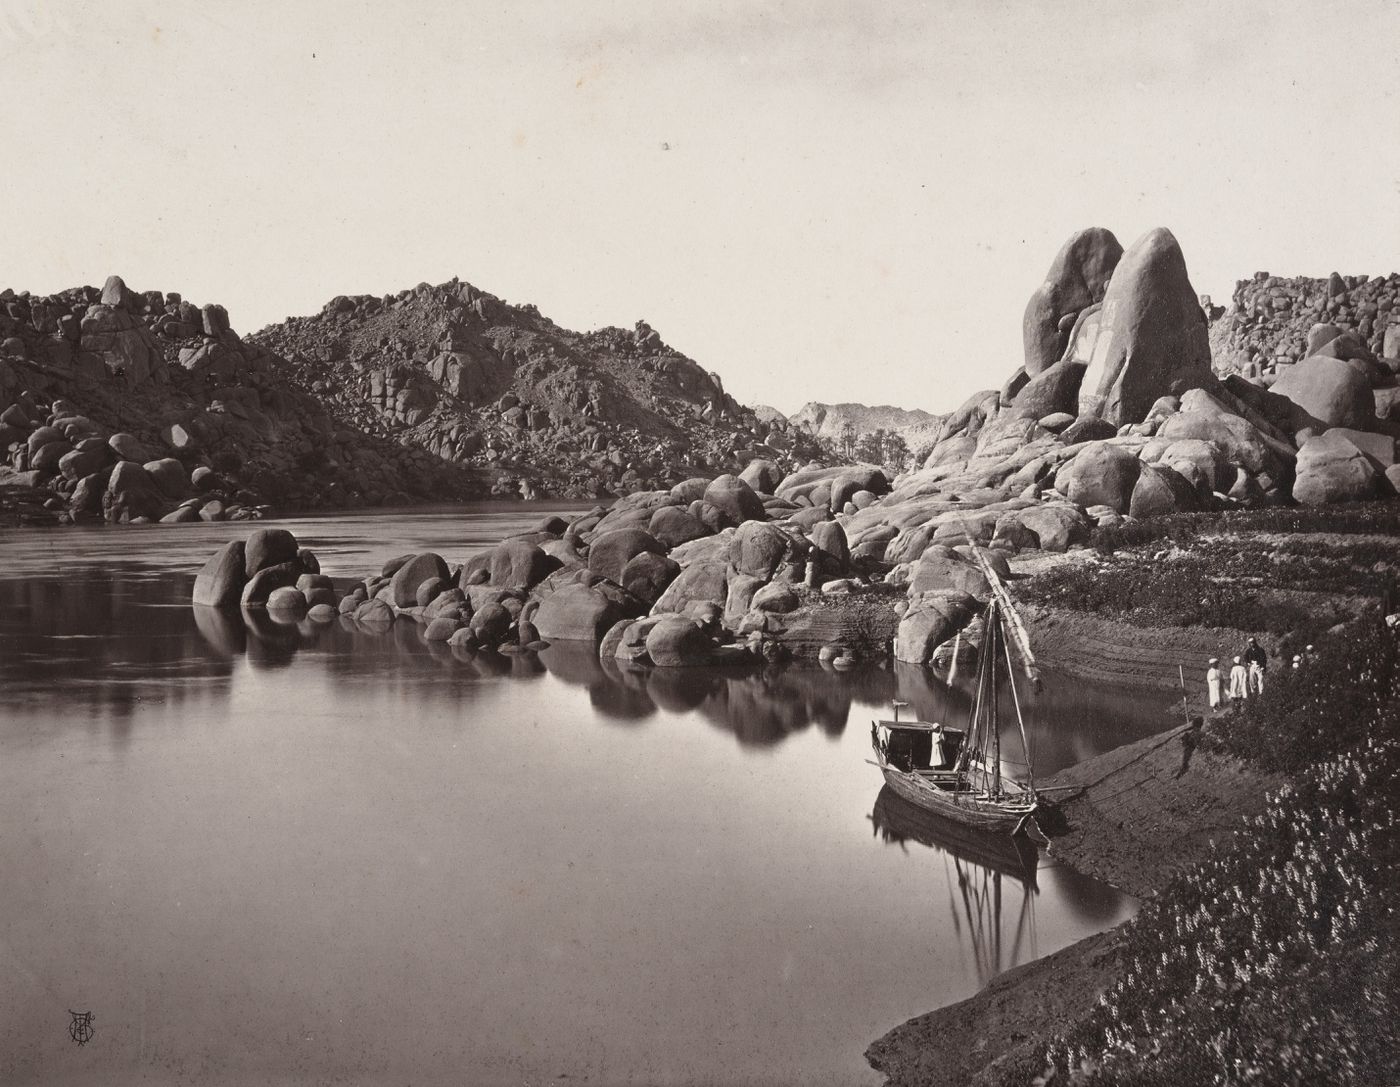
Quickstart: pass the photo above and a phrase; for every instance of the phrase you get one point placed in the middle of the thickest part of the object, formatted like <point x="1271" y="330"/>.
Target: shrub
<point x="1274" y="962"/>
<point x="1362" y="518"/>
<point x="1183" y="590"/>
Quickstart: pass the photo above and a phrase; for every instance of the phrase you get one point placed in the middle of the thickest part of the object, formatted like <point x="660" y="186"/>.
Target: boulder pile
<point x="164" y="380"/>
<point x="90" y="473"/>
<point x="1117" y="413"/>
<point x="710" y="570"/>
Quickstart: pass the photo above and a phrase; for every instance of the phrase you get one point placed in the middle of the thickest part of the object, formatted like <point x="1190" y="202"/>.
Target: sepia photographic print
<point x="727" y="544"/>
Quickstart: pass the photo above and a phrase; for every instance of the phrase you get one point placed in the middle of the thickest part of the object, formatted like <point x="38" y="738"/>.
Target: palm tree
<point x="848" y="437"/>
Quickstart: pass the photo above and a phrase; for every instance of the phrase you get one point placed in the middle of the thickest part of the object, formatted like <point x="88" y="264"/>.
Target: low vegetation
<point x="1359" y="518"/>
<point x="1276" y="962"/>
<point x="1279" y="580"/>
<point x="1343" y="697"/>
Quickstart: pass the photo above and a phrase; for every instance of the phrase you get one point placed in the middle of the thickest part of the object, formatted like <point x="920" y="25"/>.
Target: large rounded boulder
<point x="931" y="620"/>
<point x="762" y="475"/>
<point x="131" y="493"/>
<point x="1056" y="526"/>
<point x="269" y="547"/>
<point x="734" y="499"/>
<point x="854" y="480"/>
<point x="1161" y="490"/>
<point x="700" y="582"/>
<point x="759" y="548"/>
<point x="170" y="476"/>
<point x="1102" y="474"/>
<point x="518" y="563"/>
<point x="1152" y="338"/>
<point x="408" y="577"/>
<point x="941" y="569"/>
<point x="1077" y="278"/>
<point x="647" y="575"/>
<point x="676" y="642"/>
<point x="1053" y="391"/>
<point x="220" y="582"/>
<point x="1332" y="468"/>
<point x="673" y="526"/>
<point x="1332" y="392"/>
<point x="829" y="539"/>
<point x="610" y="552"/>
<point x="1239" y="441"/>
<point x="576" y="613"/>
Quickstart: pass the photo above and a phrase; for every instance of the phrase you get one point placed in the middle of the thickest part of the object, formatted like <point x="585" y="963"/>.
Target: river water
<point x="263" y="853"/>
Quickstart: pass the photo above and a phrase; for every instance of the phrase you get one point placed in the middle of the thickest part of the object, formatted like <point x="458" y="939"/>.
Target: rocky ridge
<point x="435" y="394"/>
<point x="479" y="382"/>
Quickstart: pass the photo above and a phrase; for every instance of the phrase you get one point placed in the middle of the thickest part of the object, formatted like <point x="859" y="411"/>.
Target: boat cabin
<point x="917" y="745"/>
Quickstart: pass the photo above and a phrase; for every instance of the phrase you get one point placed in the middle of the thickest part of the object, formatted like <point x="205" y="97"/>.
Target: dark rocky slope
<point x="479" y="382"/>
<point x="139" y="406"/>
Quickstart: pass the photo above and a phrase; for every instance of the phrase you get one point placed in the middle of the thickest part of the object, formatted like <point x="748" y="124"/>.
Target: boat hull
<point x="1012" y="855"/>
<point x="1000" y="816"/>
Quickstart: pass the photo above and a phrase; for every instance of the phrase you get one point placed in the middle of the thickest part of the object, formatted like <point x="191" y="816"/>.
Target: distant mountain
<point x="828" y="421"/>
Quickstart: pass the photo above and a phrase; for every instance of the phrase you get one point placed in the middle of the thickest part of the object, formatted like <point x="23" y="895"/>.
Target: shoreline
<point x="1190" y="798"/>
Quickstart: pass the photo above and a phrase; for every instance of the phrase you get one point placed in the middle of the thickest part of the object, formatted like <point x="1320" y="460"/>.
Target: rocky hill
<point x="476" y="381"/>
<point x="142" y="405"/>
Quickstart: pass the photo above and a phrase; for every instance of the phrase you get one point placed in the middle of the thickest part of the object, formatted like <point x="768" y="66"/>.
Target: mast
<point x="993" y="636"/>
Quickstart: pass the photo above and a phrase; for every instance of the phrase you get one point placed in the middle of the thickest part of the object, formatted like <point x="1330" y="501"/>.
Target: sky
<point x="818" y="200"/>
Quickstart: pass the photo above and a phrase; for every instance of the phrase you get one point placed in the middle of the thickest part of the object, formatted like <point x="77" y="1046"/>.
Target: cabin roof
<point x="918" y="726"/>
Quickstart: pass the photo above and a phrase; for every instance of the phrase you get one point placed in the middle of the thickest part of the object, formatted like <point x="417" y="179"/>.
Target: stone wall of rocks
<point x="1271" y="318"/>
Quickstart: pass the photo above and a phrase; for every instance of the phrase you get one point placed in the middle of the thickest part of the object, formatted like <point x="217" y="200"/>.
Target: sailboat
<point x="957" y="773"/>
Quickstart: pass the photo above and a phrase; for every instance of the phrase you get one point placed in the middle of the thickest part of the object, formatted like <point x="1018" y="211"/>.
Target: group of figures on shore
<point x="1245" y="678"/>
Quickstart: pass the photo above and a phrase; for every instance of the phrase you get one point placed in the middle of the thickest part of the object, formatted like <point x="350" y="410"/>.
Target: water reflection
<point x="154" y="645"/>
<point x="107" y="642"/>
<point x="760" y="705"/>
<point x="230" y="820"/>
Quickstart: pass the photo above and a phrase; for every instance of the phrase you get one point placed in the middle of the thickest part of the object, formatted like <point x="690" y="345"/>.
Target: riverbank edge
<point x="1132" y="817"/>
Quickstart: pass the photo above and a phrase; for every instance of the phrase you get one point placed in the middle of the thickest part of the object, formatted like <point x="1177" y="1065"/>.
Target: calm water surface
<point x="265" y="853"/>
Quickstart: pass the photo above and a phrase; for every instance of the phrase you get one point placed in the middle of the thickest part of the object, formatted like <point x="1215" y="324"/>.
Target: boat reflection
<point x="985" y="871"/>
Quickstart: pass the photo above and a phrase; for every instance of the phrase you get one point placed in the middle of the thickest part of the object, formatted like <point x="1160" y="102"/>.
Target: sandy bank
<point x="1006" y="1022"/>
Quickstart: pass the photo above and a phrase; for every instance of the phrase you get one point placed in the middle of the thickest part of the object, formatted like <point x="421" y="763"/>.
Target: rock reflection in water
<point x="761" y="705"/>
<point x="104" y="643"/>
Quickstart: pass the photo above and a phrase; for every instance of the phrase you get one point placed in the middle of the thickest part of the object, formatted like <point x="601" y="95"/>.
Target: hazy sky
<point x="818" y="200"/>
